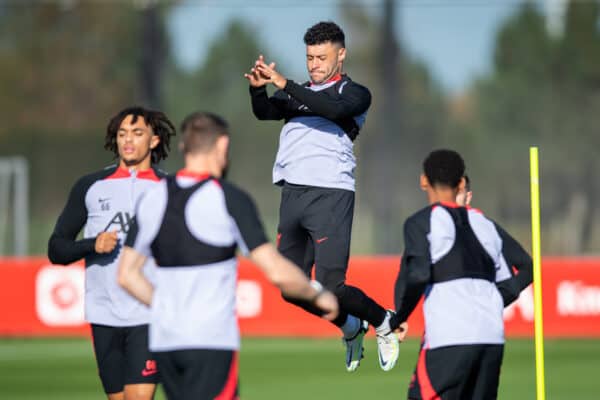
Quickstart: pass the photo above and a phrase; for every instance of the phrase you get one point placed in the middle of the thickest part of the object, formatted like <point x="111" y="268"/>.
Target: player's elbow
<point x="265" y="116"/>
<point x="259" y="114"/>
<point x="53" y="257"/>
<point x="54" y="254"/>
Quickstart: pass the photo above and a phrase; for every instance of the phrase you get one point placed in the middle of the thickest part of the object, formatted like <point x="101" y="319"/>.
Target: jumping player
<point x="315" y="168"/>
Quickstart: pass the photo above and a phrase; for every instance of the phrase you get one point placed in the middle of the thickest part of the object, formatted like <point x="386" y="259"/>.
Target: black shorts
<point x="199" y="374"/>
<point x="466" y="372"/>
<point x="315" y="227"/>
<point x="123" y="357"/>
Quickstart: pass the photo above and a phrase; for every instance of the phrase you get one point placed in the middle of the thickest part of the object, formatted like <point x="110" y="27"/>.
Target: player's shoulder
<point x="478" y="219"/>
<point x="347" y="83"/>
<point x="231" y="189"/>
<point x="84" y="182"/>
<point x="475" y="214"/>
<point x="235" y="196"/>
<point x="420" y="219"/>
<point x="160" y="173"/>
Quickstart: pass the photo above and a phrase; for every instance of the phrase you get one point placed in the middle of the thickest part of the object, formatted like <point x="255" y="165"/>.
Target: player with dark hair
<point x="192" y="224"/>
<point x="454" y="257"/>
<point x="315" y="167"/>
<point x="102" y="203"/>
<point x="161" y="127"/>
<point x="516" y="257"/>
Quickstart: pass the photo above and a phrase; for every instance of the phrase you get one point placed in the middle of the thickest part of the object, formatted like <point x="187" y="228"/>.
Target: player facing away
<point x="102" y="203"/>
<point x="453" y="256"/>
<point x="192" y="224"/>
<point x="315" y="167"/>
<point x="516" y="257"/>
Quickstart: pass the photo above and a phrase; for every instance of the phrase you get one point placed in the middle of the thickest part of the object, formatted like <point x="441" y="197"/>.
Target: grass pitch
<point x="298" y="369"/>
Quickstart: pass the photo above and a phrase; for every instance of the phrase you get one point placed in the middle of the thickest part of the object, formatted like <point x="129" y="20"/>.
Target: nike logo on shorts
<point x="319" y="241"/>
<point x="148" y="372"/>
<point x="150" y="368"/>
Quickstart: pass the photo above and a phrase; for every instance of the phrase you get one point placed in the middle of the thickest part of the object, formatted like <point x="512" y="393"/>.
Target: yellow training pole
<point x="537" y="274"/>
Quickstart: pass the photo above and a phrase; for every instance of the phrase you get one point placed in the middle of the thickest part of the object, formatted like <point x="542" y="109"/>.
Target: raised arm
<point x="263" y="107"/>
<point x="353" y="100"/>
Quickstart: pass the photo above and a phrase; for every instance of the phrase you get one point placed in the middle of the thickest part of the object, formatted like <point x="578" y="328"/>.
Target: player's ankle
<point x="384" y="328"/>
<point x="350" y="327"/>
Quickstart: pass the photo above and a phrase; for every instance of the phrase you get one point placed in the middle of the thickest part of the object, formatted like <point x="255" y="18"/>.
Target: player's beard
<point x="333" y="72"/>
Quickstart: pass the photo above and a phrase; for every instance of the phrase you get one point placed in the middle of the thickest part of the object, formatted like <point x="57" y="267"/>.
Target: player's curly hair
<point x="157" y="120"/>
<point x="444" y="168"/>
<point x="323" y="32"/>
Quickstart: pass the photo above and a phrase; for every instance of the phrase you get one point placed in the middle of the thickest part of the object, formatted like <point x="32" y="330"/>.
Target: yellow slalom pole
<point x="537" y="274"/>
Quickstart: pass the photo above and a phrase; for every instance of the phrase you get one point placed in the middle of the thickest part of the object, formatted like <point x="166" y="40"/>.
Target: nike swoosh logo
<point x="148" y="372"/>
<point x="322" y="240"/>
<point x="383" y="362"/>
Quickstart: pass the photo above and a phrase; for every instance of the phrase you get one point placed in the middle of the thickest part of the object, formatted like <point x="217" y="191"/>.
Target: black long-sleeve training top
<point x="321" y="123"/>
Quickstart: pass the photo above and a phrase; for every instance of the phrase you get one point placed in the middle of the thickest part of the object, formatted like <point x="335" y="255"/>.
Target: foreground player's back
<point x="462" y="304"/>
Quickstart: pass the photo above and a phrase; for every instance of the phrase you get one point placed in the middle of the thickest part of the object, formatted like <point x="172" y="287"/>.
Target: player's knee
<point x="334" y="283"/>
<point x="339" y="290"/>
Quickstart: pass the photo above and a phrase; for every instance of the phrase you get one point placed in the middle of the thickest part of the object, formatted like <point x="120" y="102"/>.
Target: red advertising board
<point x="39" y="299"/>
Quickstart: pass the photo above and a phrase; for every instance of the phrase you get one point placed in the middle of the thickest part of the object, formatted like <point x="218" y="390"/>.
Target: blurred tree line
<point x="67" y="67"/>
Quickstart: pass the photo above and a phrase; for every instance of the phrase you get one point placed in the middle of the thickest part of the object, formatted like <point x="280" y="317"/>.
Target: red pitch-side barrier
<point x="39" y="299"/>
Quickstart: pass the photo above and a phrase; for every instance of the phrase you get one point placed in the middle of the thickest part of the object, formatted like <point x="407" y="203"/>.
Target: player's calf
<point x="140" y="391"/>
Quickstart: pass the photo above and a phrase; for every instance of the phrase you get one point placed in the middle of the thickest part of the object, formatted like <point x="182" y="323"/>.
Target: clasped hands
<point x="262" y="73"/>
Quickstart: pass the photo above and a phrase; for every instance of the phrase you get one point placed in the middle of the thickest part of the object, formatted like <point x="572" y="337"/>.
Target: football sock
<point x="351" y="326"/>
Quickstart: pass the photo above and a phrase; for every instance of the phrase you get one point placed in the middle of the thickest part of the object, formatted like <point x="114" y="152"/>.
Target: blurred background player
<point x="453" y="256"/>
<point x="516" y="257"/>
<point x="192" y="224"/>
<point x="315" y="166"/>
<point x="103" y="204"/>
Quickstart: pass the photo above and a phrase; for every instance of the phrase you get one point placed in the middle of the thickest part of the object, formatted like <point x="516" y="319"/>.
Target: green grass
<point x="297" y="369"/>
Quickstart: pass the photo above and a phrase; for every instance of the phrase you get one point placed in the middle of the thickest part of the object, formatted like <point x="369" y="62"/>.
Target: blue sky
<point x="453" y="37"/>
